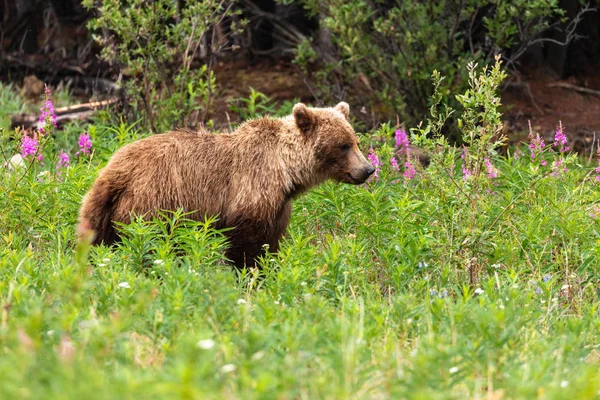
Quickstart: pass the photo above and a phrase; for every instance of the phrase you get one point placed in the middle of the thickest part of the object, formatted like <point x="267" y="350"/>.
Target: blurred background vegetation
<point x="181" y="63"/>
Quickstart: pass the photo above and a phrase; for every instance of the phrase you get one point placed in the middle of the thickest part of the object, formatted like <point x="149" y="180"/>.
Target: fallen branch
<point x="580" y="89"/>
<point x="63" y="114"/>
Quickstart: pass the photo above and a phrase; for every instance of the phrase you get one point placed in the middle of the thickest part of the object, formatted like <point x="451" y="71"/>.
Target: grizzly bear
<point x="247" y="178"/>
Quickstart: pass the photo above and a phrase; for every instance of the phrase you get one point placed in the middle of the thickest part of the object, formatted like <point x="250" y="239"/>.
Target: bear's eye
<point x="345" y="147"/>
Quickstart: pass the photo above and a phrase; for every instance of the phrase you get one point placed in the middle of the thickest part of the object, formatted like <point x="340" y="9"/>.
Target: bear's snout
<point x="359" y="175"/>
<point x="362" y="174"/>
<point x="368" y="171"/>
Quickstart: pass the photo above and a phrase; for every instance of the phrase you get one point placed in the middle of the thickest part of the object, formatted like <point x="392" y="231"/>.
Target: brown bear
<point x="247" y="178"/>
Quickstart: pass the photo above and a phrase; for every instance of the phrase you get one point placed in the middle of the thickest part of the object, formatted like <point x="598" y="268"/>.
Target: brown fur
<point x="248" y="178"/>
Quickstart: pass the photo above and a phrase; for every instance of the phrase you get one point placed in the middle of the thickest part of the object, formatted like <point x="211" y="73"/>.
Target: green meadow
<point x="473" y="275"/>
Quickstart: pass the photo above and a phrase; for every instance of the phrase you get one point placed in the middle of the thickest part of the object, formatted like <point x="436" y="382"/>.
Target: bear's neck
<point x="299" y="166"/>
<point x="284" y="145"/>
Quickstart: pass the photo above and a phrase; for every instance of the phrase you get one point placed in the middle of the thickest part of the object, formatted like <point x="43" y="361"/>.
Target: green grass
<point x="429" y="288"/>
<point x="11" y="104"/>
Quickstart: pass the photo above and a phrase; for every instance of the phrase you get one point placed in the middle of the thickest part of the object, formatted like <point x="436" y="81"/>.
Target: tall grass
<point x="456" y="283"/>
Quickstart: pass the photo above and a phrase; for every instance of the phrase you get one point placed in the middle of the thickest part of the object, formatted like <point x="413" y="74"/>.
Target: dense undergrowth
<point x="474" y="277"/>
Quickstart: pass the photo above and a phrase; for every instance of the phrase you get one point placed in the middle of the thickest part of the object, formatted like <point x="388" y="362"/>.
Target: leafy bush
<point x="381" y="54"/>
<point x="156" y="47"/>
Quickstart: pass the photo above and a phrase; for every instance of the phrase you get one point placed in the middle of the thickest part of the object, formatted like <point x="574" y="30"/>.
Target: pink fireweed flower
<point x="48" y="116"/>
<point x="372" y="157"/>
<point x="558" y="168"/>
<point x="535" y="146"/>
<point x="409" y="171"/>
<point x="518" y="153"/>
<point x="490" y="170"/>
<point x="85" y="144"/>
<point x="29" y="147"/>
<point x="401" y="140"/>
<point x="466" y="173"/>
<point x="63" y="162"/>
<point x="394" y="164"/>
<point x="560" y="139"/>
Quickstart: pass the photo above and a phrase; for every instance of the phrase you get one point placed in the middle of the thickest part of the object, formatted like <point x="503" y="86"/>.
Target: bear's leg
<point x="248" y="239"/>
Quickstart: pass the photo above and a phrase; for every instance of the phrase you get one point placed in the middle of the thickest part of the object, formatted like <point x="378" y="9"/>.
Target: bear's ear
<point x="303" y="117"/>
<point x="344" y="108"/>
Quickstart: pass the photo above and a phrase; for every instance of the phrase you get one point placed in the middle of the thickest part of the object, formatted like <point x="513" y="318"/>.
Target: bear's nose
<point x="368" y="171"/>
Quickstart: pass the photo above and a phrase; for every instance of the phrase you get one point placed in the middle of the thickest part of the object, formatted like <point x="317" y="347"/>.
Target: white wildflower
<point x="124" y="285"/>
<point x="206" y="344"/>
<point x="227" y="368"/>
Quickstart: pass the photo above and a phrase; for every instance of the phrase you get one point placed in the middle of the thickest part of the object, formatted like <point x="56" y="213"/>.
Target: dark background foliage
<point x="379" y="56"/>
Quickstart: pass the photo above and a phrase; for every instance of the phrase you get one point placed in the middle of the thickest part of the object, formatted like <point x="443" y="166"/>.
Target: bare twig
<point x="78" y="111"/>
<point x="570" y="35"/>
<point x="580" y="89"/>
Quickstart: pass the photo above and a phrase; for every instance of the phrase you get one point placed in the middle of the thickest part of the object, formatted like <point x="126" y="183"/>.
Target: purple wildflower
<point x="558" y="168"/>
<point x="547" y="277"/>
<point x="395" y="165"/>
<point x="490" y="171"/>
<point x="401" y="140"/>
<point x="47" y="116"/>
<point x="28" y="146"/>
<point x="410" y="170"/>
<point x="536" y="145"/>
<point x="518" y="153"/>
<point x="595" y="213"/>
<point x="466" y="173"/>
<point x="560" y="139"/>
<point x="85" y="144"/>
<point x="372" y="158"/>
<point x="63" y="162"/>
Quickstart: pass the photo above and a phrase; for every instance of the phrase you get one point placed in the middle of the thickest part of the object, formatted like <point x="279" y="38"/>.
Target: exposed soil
<point x="530" y="97"/>
<point x="278" y="80"/>
<point x="538" y="97"/>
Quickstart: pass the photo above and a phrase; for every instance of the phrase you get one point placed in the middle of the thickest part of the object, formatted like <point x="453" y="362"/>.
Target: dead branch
<point x="570" y="35"/>
<point x="580" y="89"/>
<point x="77" y="112"/>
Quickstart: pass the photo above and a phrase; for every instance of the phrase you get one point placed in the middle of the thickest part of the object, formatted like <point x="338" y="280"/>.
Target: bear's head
<point x="337" y="155"/>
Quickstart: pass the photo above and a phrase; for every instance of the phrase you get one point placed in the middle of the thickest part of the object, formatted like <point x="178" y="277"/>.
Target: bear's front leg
<point x="248" y="239"/>
<point x="246" y="245"/>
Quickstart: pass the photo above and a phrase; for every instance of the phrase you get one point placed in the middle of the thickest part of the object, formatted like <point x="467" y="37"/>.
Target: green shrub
<point x="156" y="47"/>
<point x="381" y="54"/>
